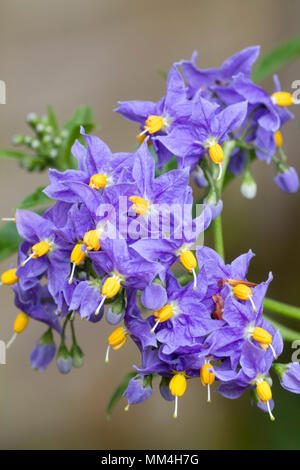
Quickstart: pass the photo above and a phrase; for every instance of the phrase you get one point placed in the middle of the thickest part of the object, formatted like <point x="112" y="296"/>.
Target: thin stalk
<point x="281" y="308"/>
<point x="217" y="223"/>
<point x="287" y="333"/>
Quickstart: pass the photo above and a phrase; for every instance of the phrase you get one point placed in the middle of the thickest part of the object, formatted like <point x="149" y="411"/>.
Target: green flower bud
<point x="249" y="186"/>
<point x="77" y="356"/>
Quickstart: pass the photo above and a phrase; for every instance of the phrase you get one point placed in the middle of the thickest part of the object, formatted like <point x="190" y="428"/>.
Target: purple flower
<point x="160" y="118"/>
<point x="139" y="389"/>
<point x="209" y="125"/>
<point x="202" y="79"/>
<point x="98" y="168"/>
<point x="289" y="376"/>
<point x="43" y="352"/>
<point x="288" y="180"/>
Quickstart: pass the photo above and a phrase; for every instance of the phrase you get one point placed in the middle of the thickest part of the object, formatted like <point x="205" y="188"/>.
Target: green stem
<point x="73" y="332"/>
<point x="218" y="236"/>
<point x="217" y="223"/>
<point x="282" y="308"/>
<point x="287" y="333"/>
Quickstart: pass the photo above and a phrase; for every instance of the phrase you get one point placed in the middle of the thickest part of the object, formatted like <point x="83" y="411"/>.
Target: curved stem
<point x="282" y="308"/>
<point x="287" y="333"/>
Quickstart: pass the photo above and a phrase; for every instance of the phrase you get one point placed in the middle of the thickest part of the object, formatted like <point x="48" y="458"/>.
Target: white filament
<point x="273" y="351"/>
<point x="10" y="342"/>
<point x="195" y="279"/>
<point x="28" y="259"/>
<point x="270" y="412"/>
<point x="72" y="273"/>
<point x="153" y="329"/>
<point x="220" y="171"/>
<point x="252" y="303"/>
<point x="107" y="354"/>
<point x="208" y="394"/>
<point x="175" y="415"/>
<point x="100" y="305"/>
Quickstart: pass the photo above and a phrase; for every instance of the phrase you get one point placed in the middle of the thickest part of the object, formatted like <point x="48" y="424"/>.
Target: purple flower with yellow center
<point x="210" y="125"/>
<point x="183" y="318"/>
<point x="179" y="244"/>
<point x="266" y="114"/>
<point x="124" y="267"/>
<point x="202" y="80"/>
<point x="254" y="374"/>
<point x="162" y="117"/>
<point x="155" y="197"/>
<point x="242" y="324"/>
<point x="134" y="326"/>
<point x="33" y="303"/>
<point x="98" y="168"/>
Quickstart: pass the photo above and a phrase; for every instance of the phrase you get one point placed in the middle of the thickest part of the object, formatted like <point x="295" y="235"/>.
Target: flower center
<point x="98" y="181"/>
<point x="140" y="205"/>
<point x="282" y="98"/>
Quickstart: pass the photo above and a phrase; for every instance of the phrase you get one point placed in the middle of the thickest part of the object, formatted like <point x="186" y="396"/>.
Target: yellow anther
<point x="216" y="153"/>
<point x="139" y="205"/>
<point x="20" y="324"/>
<point x="278" y="139"/>
<point x="177" y="387"/>
<point x="243" y="292"/>
<point x="163" y="314"/>
<point x="264" y="392"/>
<point x="77" y="255"/>
<point x="98" y="181"/>
<point x="111" y="287"/>
<point x="9" y="277"/>
<point x="40" y="249"/>
<point x="262" y="336"/>
<point x="91" y="240"/>
<point x="116" y="340"/>
<point x="140" y="138"/>
<point x="188" y="260"/>
<point x="154" y="124"/>
<point x="207" y="375"/>
<point x="282" y="98"/>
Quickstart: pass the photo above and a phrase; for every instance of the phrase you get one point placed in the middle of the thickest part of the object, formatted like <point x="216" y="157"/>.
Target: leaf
<point x="52" y="120"/>
<point x="118" y="394"/>
<point x="172" y="164"/>
<point x="83" y="116"/>
<point x="9" y="240"/>
<point x="13" y="154"/>
<point x="276" y="59"/>
<point x="37" y="198"/>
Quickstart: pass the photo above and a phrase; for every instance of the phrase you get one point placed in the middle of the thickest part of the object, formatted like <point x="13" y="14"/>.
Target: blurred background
<point x="96" y="52"/>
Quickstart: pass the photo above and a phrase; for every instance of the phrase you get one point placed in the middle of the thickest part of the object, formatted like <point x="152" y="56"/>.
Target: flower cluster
<point x="122" y="233"/>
